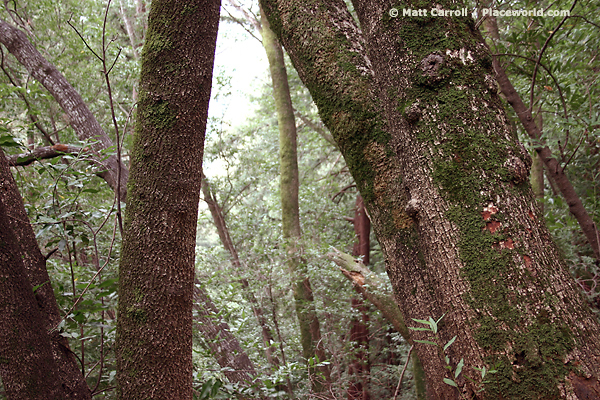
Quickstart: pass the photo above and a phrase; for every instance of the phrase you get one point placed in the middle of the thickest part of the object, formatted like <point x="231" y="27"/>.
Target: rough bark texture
<point x="290" y="210"/>
<point x="444" y="179"/>
<point x="27" y="366"/>
<point x="84" y="124"/>
<point x="69" y="372"/>
<point x="156" y="273"/>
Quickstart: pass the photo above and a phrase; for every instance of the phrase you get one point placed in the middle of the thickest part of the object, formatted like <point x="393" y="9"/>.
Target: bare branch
<point x="42" y="153"/>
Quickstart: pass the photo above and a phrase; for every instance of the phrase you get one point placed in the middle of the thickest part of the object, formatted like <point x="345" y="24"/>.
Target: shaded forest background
<point x="75" y="215"/>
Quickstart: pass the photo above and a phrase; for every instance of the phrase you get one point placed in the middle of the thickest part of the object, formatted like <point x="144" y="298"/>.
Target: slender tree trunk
<point x="555" y="171"/>
<point x="156" y="272"/>
<point x="223" y="344"/>
<point x="360" y="366"/>
<point x="223" y="231"/>
<point x="290" y="211"/>
<point x="373" y="289"/>
<point x="84" y="124"/>
<point x="445" y="181"/>
<point x="69" y="371"/>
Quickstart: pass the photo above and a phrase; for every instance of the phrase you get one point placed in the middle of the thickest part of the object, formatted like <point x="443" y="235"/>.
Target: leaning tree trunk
<point x="69" y="372"/>
<point x="425" y="135"/>
<point x="82" y="120"/>
<point x="27" y="366"/>
<point x="223" y="231"/>
<point x="224" y="346"/>
<point x="310" y="333"/>
<point x="156" y="272"/>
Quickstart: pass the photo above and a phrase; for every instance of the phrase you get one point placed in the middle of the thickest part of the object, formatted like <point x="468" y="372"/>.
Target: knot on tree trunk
<point x="431" y="67"/>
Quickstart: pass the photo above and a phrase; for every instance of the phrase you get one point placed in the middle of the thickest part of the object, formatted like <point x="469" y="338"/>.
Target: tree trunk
<point x="290" y="211"/>
<point x="372" y="289"/>
<point x="360" y="366"/>
<point x="223" y="231"/>
<point x="156" y="272"/>
<point x="224" y="346"/>
<point x="69" y="371"/>
<point x="27" y="366"/>
<point x="444" y="178"/>
<point x="84" y="124"/>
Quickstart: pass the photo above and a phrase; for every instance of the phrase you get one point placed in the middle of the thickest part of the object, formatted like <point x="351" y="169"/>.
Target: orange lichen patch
<point x="584" y="388"/>
<point x="531" y="215"/>
<point x="488" y="211"/>
<point x="61" y="147"/>
<point x="527" y="261"/>
<point x="492" y="226"/>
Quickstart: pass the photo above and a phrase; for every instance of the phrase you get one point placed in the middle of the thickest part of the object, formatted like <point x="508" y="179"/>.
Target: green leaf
<point x="421" y="321"/>
<point x="450" y="382"/>
<point x="433" y="325"/>
<point x="449" y="343"/>
<point x="459" y="368"/>
<point x="36" y="287"/>
<point x="8" y="141"/>
<point x="419" y="329"/>
<point x="426" y="342"/>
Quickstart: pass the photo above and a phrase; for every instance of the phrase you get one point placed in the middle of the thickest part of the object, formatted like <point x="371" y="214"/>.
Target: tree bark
<point x="310" y="331"/>
<point x="84" y="124"/>
<point x="444" y="178"/>
<point x="27" y="365"/>
<point x="156" y="272"/>
<point x="69" y="372"/>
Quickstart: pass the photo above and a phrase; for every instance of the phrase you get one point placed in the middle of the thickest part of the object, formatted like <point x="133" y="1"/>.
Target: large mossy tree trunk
<point x="156" y="272"/>
<point x="310" y="332"/>
<point x="413" y="105"/>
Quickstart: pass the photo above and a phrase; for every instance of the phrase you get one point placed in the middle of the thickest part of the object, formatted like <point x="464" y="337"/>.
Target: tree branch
<point x="42" y="153"/>
<point x="84" y="124"/>
<point x="555" y="171"/>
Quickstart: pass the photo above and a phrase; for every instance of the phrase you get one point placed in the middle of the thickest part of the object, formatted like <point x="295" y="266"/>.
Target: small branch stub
<point x="412" y="208"/>
<point x="414" y="113"/>
<point x="431" y="66"/>
<point x="518" y="170"/>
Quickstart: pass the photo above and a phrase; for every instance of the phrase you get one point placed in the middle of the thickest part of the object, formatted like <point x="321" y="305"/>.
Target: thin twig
<point x="402" y="373"/>
<point x="535" y="69"/>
